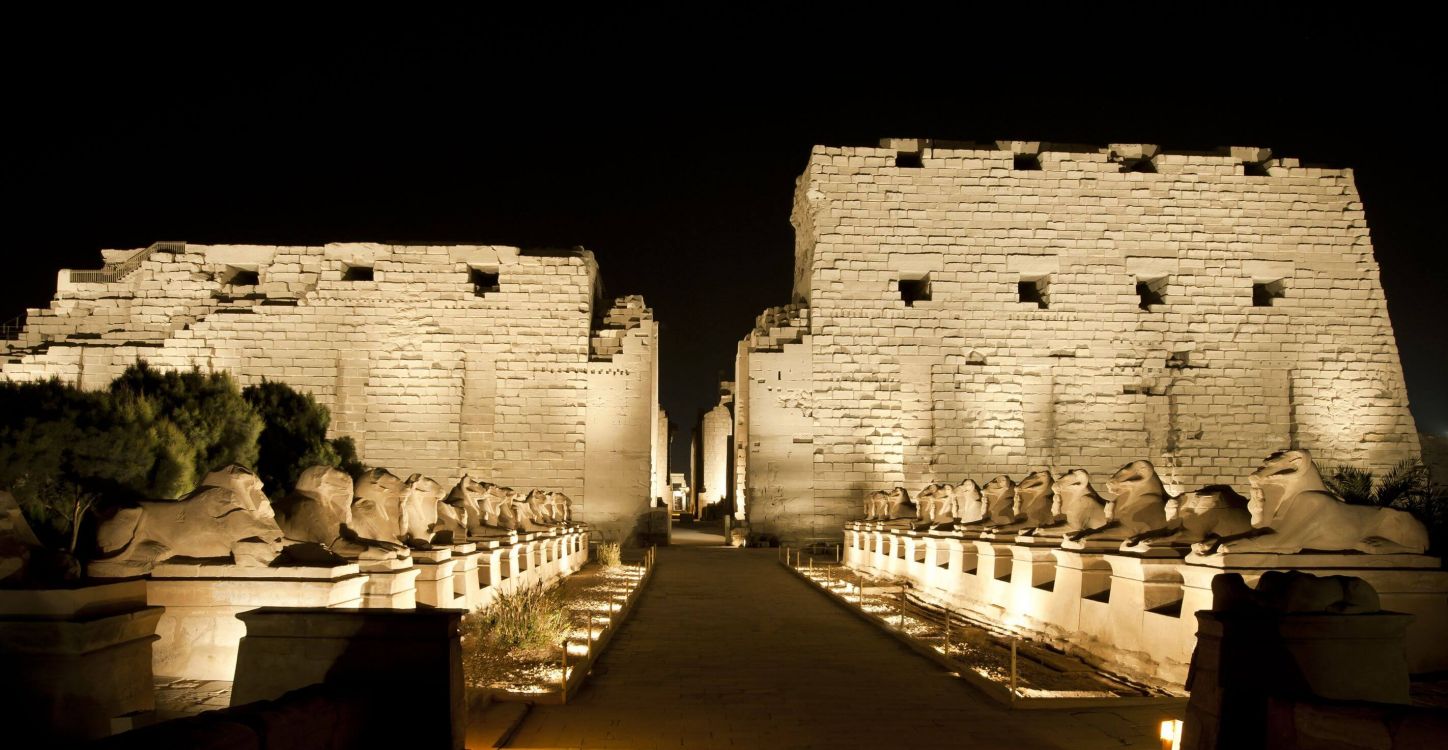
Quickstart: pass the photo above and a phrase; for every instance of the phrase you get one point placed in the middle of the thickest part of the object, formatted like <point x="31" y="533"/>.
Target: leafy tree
<point x="295" y="436"/>
<point x="63" y="449"/>
<point x="151" y="435"/>
<point x="198" y="422"/>
<point x="348" y="461"/>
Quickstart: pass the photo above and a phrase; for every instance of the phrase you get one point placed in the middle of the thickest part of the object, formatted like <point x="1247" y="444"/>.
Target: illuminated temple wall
<point x="449" y="359"/>
<point x="865" y="391"/>
<point x="717" y="428"/>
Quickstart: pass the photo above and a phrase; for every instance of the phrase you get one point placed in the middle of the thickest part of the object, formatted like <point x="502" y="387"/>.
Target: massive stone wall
<point x="661" y="460"/>
<point x="716" y="430"/>
<point x="977" y="310"/>
<point x="435" y="359"/>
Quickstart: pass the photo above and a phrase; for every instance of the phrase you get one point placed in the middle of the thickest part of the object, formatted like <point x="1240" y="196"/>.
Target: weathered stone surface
<point x="1210" y="512"/>
<point x="1292" y="510"/>
<point x="716" y="426"/>
<point x="289" y="648"/>
<point x="377" y="505"/>
<point x="245" y="483"/>
<point x="1000" y="502"/>
<point x="1139" y="500"/>
<point x="1296" y="637"/>
<point x="969" y="503"/>
<point x="456" y="511"/>
<point x="212" y="522"/>
<point x="419" y="509"/>
<point x="316" y="510"/>
<point x="560" y="507"/>
<point x="911" y="350"/>
<point x="319" y="511"/>
<point x="1084" y="509"/>
<point x="524" y="376"/>
<point x="1035" y="503"/>
<point x="535" y="510"/>
<point x="16" y="539"/>
<point x="73" y="659"/>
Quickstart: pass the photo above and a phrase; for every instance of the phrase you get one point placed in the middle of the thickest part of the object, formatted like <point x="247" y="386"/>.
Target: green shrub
<point x="347" y="459"/>
<point x="294" y="437"/>
<point x="199" y="420"/>
<point x="1407" y="486"/>
<point x="610" y="554"/>
<point x="529" y="620"/>
<point x="150" y="435"/>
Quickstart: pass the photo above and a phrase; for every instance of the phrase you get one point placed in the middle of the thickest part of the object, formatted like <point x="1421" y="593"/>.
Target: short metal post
<point x="947" y="629"/>
<point x="902" y="607"/>
<point x="839" y="550"/>
<point x="1013" y="668"/>
<point x="563" y="680"/>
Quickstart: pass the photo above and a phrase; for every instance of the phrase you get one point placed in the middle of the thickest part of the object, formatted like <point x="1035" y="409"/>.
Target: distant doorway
<point x="690" y="533"/>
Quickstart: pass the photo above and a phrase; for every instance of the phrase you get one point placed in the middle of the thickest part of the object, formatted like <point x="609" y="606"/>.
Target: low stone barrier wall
<point x="74" y="659"/>
<point x="199" y="630"/>
<point x="1131" y="612"/>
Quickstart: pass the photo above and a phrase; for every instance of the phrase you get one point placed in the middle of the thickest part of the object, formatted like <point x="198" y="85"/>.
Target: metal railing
<point x="113" y="272"/>
<point x="10" y="330"/>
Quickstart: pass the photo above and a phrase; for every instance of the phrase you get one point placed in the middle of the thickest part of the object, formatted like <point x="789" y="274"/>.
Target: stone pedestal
<point x="1413" y="584"/>
<point x="288" y="648"/>
<point x="935" y="570"/>
<point x="853" y="554"/>
<point x="73" y="659"/>
<point x="1082" y="591"/>
<point x="994" y="566"/>
<point x="391" y="584"/>
<point x="434" y="582"/>
<point x="1244" y="659"/>
<point x="1033" y="584"/>
<point x="519" y="555"/>
<point x="467" y="586"/>
<point x="492" y="561"/>
<point x="199" y="631"/>
<point x="1144" y="624"/>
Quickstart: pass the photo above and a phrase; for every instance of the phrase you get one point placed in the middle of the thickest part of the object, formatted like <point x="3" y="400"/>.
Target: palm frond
<point x="1352" y="484"/>
<point x="1402" y="483"/>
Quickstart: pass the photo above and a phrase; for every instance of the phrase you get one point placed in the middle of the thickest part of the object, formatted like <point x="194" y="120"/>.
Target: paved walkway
<point x="726" y="649"/>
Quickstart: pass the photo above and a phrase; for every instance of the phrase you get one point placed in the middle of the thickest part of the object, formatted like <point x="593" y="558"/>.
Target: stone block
<point x="75" y="659"/>
<point x="199" y="632"/>
<point x="288" y="648"/>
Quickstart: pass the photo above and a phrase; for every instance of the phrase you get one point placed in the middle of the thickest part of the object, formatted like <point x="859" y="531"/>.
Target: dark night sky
<point x="673" y="162"/>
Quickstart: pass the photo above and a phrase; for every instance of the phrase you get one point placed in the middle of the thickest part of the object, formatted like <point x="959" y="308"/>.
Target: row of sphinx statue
<point x="1289" y="509"/>
<point x="327" y="519"/>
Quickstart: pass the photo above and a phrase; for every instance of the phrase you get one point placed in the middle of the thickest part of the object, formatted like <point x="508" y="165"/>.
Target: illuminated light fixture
<point x="1171" y="734"/>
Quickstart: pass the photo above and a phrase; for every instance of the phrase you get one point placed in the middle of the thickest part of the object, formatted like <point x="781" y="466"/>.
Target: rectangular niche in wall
<point x="1151" y="292"/>
<point x="1026" y="162"/>
<point x="240" y="276"/>
<point x="357" y="273"/>
<point x="485" y="280"/>
<point x="1264" y="292"/>
<point x="914" y="288"/>
<point x="1036" y="290"/>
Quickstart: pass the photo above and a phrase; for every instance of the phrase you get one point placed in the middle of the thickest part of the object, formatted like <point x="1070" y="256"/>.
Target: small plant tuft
<point x="530" y="620"/>
<point x="610" y="554"/>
